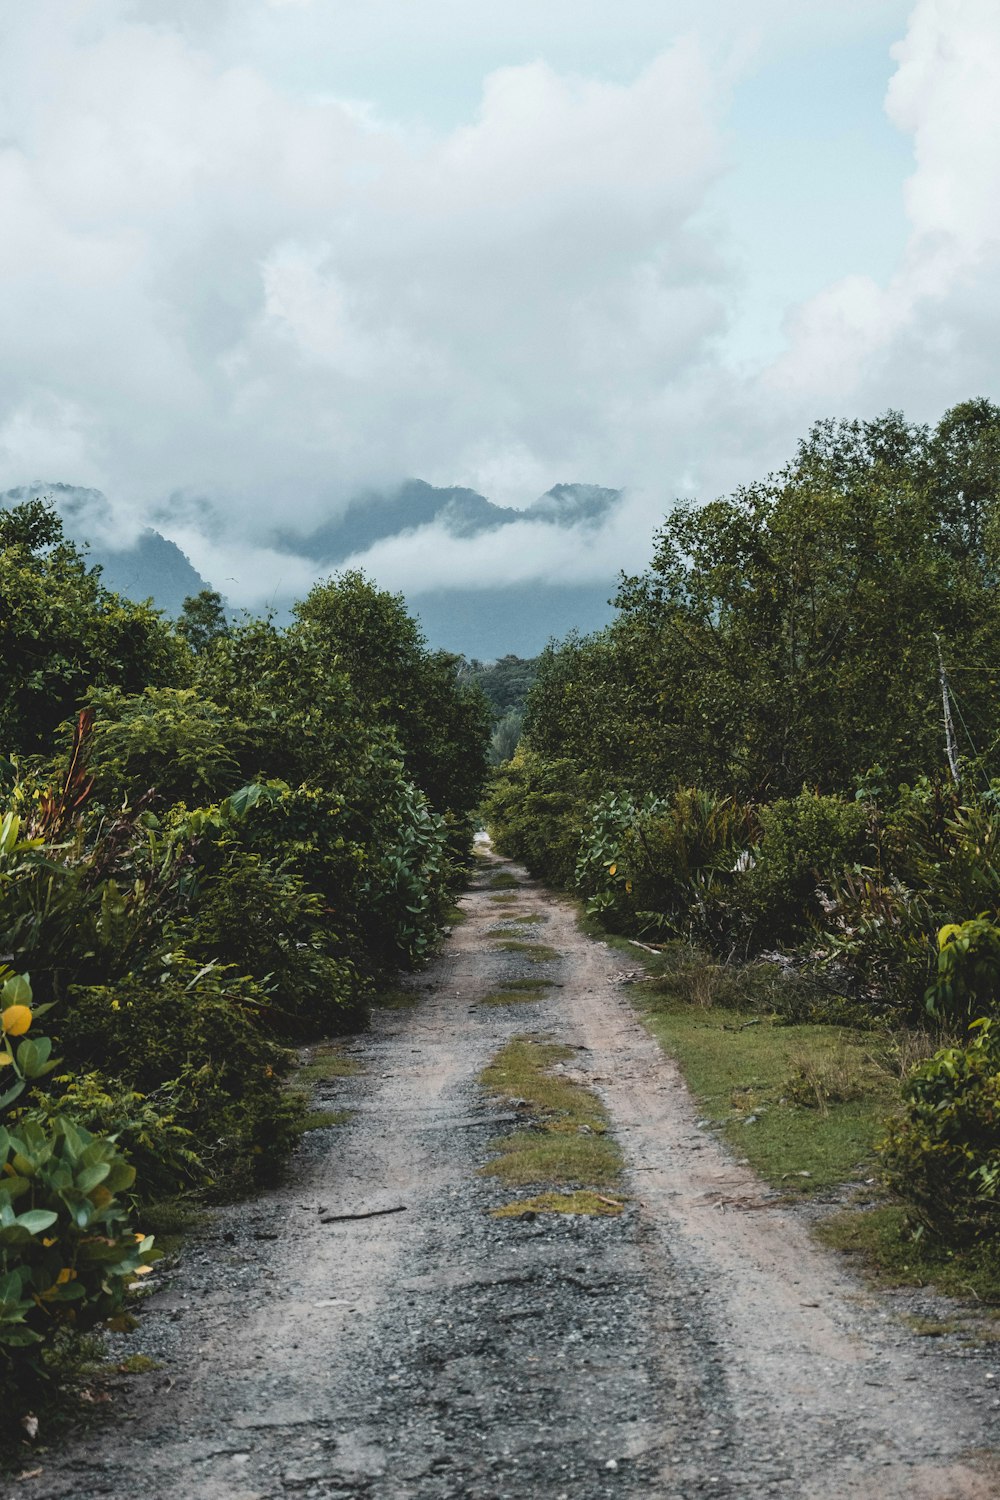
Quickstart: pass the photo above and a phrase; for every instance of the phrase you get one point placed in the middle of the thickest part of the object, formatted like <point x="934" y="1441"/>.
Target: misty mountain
<point x="152" y="567"/>
<point x="485" y="622"/>
<point x="374" y="516"/>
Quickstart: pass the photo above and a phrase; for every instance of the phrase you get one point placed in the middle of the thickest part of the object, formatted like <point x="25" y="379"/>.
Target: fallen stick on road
<point x="365" y="1213"/>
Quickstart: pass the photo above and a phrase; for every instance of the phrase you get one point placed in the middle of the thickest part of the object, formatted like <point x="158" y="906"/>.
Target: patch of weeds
<point x="930" y="1328"/>
<point x="569" y="1144"/>
<point x="454" y="916"/>
<point x="536" y="953"/>
<point x="138" y="1364"/>
<point x="170" y="1220"/>
<point x="505" y="899"/>
<point x="326" y="1061"/>
<point x="530" y="1156"/>
<point x="503" y="880"/>
<point x="580" y="1202"/>
<point x="892" y="1253"/>
<point x="320" y="1119"/>
<point x="396" y="998"/>
<point x="528" y="916"/>
<point x="511" y="997"/>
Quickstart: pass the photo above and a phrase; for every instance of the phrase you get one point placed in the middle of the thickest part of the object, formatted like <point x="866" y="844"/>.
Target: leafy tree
<point x="789" y="634"/>
<point x="62" y="633"/>
<point x="202" y="619"/>
<point x="441" y="723"/>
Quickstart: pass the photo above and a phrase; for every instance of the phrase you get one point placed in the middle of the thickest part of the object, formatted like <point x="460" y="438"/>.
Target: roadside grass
<point x="171" y="1220"/>
<point x="805" y="1102"/>
<point x="805" y="1099"/>
<point x="326" y="1061"/>
<point x="395" y="997"/>
<point x="537" y="953"/>
<point x="882" y="1239"/>
<point x="320" y="1119"/>
<point x="568" y="1145"/>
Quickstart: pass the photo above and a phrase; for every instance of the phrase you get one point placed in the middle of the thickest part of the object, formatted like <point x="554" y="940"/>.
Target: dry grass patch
<point x="512" y="997"/>
<point x="580" y="1202"/>
<point x="568" y="1144"/>
<point x="536" y="953"/>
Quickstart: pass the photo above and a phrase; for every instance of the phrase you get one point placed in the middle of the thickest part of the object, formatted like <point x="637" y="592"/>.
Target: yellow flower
<point x="15" y="1020"/>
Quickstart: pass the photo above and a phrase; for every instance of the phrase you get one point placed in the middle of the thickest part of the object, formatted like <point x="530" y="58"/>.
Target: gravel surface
<point x="700" y="1344"/>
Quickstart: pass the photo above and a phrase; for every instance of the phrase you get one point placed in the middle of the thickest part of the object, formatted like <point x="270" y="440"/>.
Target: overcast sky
<point x="257" y="255"/>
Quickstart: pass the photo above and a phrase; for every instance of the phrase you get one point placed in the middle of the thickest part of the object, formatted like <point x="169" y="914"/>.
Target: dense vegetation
<point x="753" y="760"/>
<point x="215" y="840"/>
<point x="506" y="684"/>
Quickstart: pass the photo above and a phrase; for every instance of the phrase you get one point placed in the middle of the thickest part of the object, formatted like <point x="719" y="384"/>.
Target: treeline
<point x="755" y="757"/>
<point x="506" y="684"/>
<point x="216" y="841"/>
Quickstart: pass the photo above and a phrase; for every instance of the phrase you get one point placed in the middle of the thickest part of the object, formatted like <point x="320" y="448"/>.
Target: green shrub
<point x="535" y="810"/>
<point x="143" y="1126"/>
<point x="666" y="866"/>
<point x="875" y="942"/>
<point x="943" y="1153"/>
<point x="198" y="1037"/>
<point x="67" y="1250"/>
<point x="256" y="917"/>
<point x="169" y="740"/>
<point x="804" y="841"/>
<point x="967" y="982"/>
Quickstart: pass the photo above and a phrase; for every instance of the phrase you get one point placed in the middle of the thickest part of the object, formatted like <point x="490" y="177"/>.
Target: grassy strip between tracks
<point x="566" y="1152"/>
<point x="805" y="1104"/>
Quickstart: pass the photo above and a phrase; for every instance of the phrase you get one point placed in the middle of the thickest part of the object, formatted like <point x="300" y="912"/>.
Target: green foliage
<point x="202" y="620"/>
<point x="197" y="1038"/>
<point x="967" y="982"/>
<point x="143" y="1126"/>
<point x="535" y="810"/>
<point x="255" y="916"/>
<point x="669" y="866"/>
<point x="67" y="1252"/>
<point x="170" y="741"/>
<point x="803" y="841"/>
<point x="943" y="1153"/>
<point x="505" y="683"/>
<point x="785" y="636"/>
<point x="441" y="722"/>
<point x="23" y="1059"/>
<point x="63" y="634"/>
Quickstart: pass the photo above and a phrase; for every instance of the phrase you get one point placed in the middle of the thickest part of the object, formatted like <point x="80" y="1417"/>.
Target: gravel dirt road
<point x="698" y="1345"/>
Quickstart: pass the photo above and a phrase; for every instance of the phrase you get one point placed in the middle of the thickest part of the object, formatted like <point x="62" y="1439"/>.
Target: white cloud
<point x="926" y="338"/>
<point x="214" y="284"/>
<point x="212" y="287"/>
